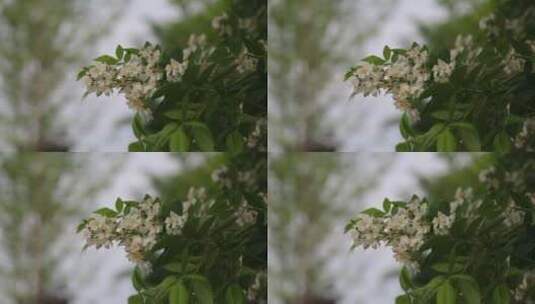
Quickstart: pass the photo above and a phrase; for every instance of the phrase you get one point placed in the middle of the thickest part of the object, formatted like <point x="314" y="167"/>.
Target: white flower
<point x="531" y="44"/>
<point x="512" y="215"/>
<point x="399" y="69"/>
<point x="174" y="224"/>
<point x="100" y="231"/>
<point x="195" y="42"/>
<point x="442" y="223"/>
<point x="245" y="62"/>
<point x="135" y="249"/>
<point x="522" y="138"/>
<point x="442" y="71"/>
<point x="513" y="63"/>
<point x="133" y="69"/>
<point x="100" y="79"/>
<point x="175" y="70"/>
<point x="218" y="21"/>
<point x="151" y="55"/>
<point x="487" y="22"/>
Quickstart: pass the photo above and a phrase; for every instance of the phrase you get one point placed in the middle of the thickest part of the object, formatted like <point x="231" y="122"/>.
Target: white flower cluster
<point x="464" y="45"/>
<point x="246" y="215"/>
<point x="405" y="78"/>
<point x="253" y="290"/>
<point x="523" y="290"/>
<point x="522" y="139"/>
<point x="531" y="197"/>
<point x="404" y="231"/>
<point x="246" y="62"/>
<point x="442" y="71"/>
<point x="531" y="44"/>
<point x="513" y="215"/>
<point x="219" y="23"/>
<point x="221" y="176"/>
<point x="137" y="231"/>
<point x="197" y="43"/>
<point x="138" y="78"/>
<point x="513" y="63"/>
<point x="253" y="138"/>
<point x="488" y="177"/>
<point x="407" y="229"/>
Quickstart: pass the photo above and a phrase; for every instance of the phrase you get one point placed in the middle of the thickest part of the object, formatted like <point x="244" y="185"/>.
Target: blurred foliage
<point x="42" y="196"/>
<point x="41" y="42"/>
<point x="220" y="253"/>
<point x="463" y="175"/>
<point x="195" y="17"/>
<point x="483" y="254"/>
<point x="309" y="193"/>
<point x="219" y="100"/>
<point x="474" y="96"/>
<point x="309" y="41"/>
<point x="463" y="17"/>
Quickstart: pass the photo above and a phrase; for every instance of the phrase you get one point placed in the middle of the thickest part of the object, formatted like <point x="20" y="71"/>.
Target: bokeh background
<point x="44" y="196"/>
<point x="44" y="45"/>
<point x="312" y="196"/>
<point x="313" y="43"/>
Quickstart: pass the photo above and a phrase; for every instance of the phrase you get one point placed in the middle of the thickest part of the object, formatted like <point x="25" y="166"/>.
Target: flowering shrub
<point x="476" y="248"/>
<point x="209" y="245"/>
<point x="478" y="96"/>
<point x="207" y="96"/>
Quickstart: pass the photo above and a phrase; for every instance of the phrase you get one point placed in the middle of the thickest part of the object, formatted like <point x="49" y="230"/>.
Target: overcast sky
<point x="102" y="285"/>
<point x="99" y="280"/>
<point x="370" y="124"/>
<point x="378" y="267"/>
<point x="132" y="30"/>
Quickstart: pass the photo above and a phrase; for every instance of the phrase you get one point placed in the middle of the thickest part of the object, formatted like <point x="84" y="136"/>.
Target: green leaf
<point x="179" y="141"/>
<point x="81" y="226"/>
<point x="138" y="126"/>
<point x="446" y="142"/>
<point x="447" y="267"/>
<point x="405" y="126"/>
<point x="175" y="114"/>
<point x="119" y="52"/>
<point x="81" y="74"/>
<point x="387" y="52"/>
<point x="137" y="279"/>
<point x="374" y="60"/>
<point x="234" y="295"/>
<point x="136" y="299"/>
<point x="234" y="142"/>
<point x="469" y="290"/>
<point x="441" y="115"/>
<point x="107" y="59"/>
<point x="405" y="278"/>
<point x="136" y="147"/>
<point x="373" y="212"/>
<point x="106" y="212"/>
<point x="469" y="136"/>
<point x="119" y="204"/>
<point x="502" y="143"/>
<point x="404" y="299"/>
<point x="173" y="267"/>
<point x="387" y="204"/>
<point x="202" y="289"/>
<point x="178" y="294"/>
<point x="403" y="147"/>
<point x="203" y="137"/>
<point x="500" y="295"/>
<point x="446" y="294"/>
